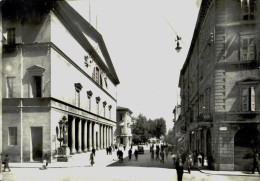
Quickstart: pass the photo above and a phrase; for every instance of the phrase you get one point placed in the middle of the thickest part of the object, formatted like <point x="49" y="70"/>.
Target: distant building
<point x="55" y="65"/>
<point x="123" y="126"/>
<point x="220" y="85"/>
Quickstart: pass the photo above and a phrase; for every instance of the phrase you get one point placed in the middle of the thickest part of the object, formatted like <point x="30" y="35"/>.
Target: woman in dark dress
<point x="179" y="168"/>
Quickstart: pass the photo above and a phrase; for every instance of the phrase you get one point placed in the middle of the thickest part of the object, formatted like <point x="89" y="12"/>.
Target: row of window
<point x="78" y="88"/>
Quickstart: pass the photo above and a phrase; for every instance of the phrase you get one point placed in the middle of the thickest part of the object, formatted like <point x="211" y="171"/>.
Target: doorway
<point x="36" y="137"/>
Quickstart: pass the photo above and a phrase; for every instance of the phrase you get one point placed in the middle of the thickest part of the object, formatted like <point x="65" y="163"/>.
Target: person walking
<point x="121" y="154"/>
<point x="136" y="154"/>
<point x="179" y="168"/>
<point x="6" y="163"/>
<point x="107" y="150"/>
<point x="162" y="156"/>
<point x="152" y="154"/>
<point x="256" y="163"/>
<point x="190" y="162"/>
<point x="94" y="151"/>
<point x="130" y="153"/>
<point x="91" y="158"/>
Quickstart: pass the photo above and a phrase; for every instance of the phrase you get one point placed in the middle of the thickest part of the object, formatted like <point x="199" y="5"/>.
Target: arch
<point x="246" y="142"/>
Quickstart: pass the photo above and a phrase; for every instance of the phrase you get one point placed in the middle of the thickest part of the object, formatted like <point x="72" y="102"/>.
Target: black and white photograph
<point x="129" y="90"/>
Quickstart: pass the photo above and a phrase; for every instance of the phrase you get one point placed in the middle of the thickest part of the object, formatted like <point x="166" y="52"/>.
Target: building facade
<point x="123" y="126"/>
<point x="55" y="66"/>
<point x="220" y="85"/>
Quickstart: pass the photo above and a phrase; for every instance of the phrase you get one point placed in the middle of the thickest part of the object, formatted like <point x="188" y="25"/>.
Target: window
<point x="109" y="108"/>
<point x="104" y="107"/>
<point x="89" y="95"/>
<point x="105" y="79"/>
<point x="78" y="88"/>
<point x="97" y="75"/>
<point x="248" y="99"/>
<point x="12" y="133"/>
<point x="11" y="36"/>
<point x="97" y="104"/>
<point x="9" y="87"/>
<point x="248" y="9"/>
<point x="77" y="99"/>
<point x="37" y="86"/>
<point x="248" y="48"/>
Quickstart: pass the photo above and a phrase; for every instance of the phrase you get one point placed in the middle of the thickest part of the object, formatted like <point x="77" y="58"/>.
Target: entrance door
<point x="36" y="137"/>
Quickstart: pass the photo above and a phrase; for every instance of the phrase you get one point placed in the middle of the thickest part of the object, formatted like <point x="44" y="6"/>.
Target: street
<point x="130" y="170"/>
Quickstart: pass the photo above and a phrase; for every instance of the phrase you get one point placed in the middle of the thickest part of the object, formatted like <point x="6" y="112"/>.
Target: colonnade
<point x="83" y="135"/>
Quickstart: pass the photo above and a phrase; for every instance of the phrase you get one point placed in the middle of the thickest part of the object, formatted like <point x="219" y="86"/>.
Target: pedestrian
<point x="118" y="153"/>
<point x="152" y="154"/>
<point x="162" y="156"/>
<point x="91" y="159"/>
<point x="136" y="154"/>
<point x="121" y="155"/>
<point x="110" y="150"/>
<point x="256" y="163"/>
<point x="94" y="151"/>
<point x="130" y="153"/>
<point x="190" y="162"/>
<point x="6" y="163"/>
<point x="179" y="168"/>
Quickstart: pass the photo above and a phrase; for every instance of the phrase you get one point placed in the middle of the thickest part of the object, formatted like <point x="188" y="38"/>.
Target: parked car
<point x="140" y="149"/>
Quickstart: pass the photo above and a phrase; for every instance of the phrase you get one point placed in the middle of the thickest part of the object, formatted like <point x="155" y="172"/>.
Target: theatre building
<point x="220" y="85"/>
<point x="55" y="66"/>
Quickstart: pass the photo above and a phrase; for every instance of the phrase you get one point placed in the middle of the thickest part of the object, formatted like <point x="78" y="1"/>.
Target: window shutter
<point x="245" y="99"/>
<point x="252" y="89"/>
<point x="251" y="49"/>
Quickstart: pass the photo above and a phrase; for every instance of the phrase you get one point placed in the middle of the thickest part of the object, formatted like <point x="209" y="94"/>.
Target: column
<point x="97" y="137"/>
<point x="108" y="141"/>
<point x="73" y="149"/>
<point x="94" y="135"/>
<point x="101" y="136"/>
<point x="85" y="136"/>
<point x="90" y="135"/>
<point x="112" y="138"/>
<point x="79" y="136"/>
<point x="105" y="135"/>
<point x="104" y="142"/>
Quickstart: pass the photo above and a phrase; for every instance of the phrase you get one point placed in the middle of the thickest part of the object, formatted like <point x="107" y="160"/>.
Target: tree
<point x="160" y="127"/>
<point x="170" y="137"/>
<point x="139" y="129"/>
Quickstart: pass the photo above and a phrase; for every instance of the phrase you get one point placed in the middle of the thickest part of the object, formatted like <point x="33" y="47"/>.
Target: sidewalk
<point x="228" y="173"/>
<point x="77" y="160"/>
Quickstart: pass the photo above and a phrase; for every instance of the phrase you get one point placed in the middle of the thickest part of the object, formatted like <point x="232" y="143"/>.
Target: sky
<point x="140" y="38"/>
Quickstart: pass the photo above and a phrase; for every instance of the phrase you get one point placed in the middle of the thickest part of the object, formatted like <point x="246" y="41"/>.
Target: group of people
<point x="109" y="150"/>
<point x="161" y="153"/>
<point x="130" y="154"/>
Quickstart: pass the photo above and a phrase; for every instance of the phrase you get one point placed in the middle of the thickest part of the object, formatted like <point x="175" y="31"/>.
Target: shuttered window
<point x="248" y="99"/>
<point x="248" y="49"/>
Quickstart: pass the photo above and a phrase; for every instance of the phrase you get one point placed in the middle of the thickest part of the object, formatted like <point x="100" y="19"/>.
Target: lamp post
<point x="63" y="149"/>
<point x="178" y="48"/>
